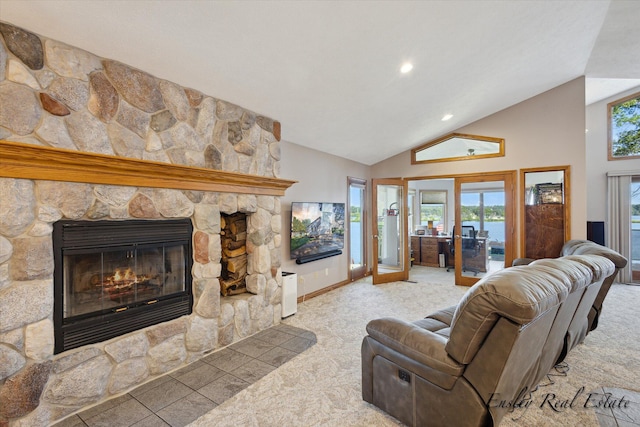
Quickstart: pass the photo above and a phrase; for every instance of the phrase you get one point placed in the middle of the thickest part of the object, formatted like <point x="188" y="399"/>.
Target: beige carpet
<point x="321" y="387"/>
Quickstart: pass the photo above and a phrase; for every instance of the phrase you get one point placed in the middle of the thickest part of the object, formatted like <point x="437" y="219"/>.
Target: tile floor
<point x="616" y="407"/>
<point x="180" y="397"/>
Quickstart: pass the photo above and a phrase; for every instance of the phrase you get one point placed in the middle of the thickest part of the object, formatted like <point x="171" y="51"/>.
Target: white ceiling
<point x="329" y="70"/>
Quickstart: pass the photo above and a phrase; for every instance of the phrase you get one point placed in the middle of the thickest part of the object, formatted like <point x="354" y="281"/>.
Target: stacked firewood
<point x="233" y="237"/>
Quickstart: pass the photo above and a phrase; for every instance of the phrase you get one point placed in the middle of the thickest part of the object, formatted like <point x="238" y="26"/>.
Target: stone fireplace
<point x="88" y="139"/>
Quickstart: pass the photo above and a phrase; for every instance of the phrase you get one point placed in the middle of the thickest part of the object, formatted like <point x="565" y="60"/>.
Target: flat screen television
<point x="317" y="229"/>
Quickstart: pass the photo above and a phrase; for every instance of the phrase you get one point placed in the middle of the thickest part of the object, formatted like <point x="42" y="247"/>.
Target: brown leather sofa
<point x="468" y="364"/>
<point x="584" y="247"/>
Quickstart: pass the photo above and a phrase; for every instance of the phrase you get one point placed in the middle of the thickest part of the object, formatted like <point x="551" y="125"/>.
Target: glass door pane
<point x="391" y="258"/>
<point x="484" y="213"/>
<point x="357" y="248"/>
<point x="482" y="227"/>
<point x="545" y="211"/>
<point x="102" y="279"/>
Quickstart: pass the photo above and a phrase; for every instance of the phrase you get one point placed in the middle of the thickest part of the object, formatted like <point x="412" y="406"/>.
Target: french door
<point x="389" y="230"/>
<point x="483" y="233"/>
<point x="357" y="228"/>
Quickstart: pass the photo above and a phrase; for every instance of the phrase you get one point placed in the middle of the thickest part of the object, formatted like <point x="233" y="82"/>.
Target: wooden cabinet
<point x="415" y="249"/>
<point x="545" y="230"/>
<point x="429" y="251"/>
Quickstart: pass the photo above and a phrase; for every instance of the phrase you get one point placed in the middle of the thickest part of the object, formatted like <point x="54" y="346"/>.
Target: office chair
<point x="452" y="250"/>
<point x="469" y="247"/>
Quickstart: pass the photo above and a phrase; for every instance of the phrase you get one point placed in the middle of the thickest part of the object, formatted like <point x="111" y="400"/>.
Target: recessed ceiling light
<point x="446" y="117"/>
<point x="406" y="67"/>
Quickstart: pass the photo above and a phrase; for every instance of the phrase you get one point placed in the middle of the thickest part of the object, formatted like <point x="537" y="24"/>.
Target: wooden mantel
<point x="28" y="161"/>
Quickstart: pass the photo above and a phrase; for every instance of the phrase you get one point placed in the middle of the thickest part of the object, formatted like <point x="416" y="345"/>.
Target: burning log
<point x="124" y="283"/>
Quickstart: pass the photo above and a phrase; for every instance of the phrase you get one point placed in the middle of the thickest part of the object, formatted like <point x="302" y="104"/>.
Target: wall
<point x="597" y="163"/>
<point x="545" y="130"/>
<point x="321" y="178"/>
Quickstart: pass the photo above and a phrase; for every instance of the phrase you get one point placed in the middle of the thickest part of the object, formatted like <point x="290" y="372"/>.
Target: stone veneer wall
<point x="52" y="94"/>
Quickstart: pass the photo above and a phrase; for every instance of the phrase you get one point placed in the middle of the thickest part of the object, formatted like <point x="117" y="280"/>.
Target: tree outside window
<point x="433" y="208"/>
<point x="433" y="212"/>
<point x="624" y="128"/>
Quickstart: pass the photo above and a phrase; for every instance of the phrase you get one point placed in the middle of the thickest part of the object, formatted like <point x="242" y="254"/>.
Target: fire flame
<point x="127" y="277"/>
<point x="123" y="283"/>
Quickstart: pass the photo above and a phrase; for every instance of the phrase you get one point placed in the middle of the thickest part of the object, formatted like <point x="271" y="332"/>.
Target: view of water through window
<point x="493" y="209"/>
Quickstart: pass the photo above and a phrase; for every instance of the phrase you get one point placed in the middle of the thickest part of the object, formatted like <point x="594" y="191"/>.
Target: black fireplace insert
<point x="114" y="277"/>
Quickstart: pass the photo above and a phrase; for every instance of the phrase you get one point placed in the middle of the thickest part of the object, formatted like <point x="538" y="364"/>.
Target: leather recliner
<point x="584" y="247"/>
<point x="466" y="364"/>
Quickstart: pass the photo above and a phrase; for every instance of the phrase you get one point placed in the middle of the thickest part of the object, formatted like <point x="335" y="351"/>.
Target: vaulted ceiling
<point x="329" y="71"/>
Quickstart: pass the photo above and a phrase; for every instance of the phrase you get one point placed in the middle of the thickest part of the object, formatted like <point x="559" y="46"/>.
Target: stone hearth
<point x="55" y="95"/>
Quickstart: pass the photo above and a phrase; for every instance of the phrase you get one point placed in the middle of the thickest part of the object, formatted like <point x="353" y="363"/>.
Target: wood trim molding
<point x="319" y="292"/>
<point x="28" y="161"/>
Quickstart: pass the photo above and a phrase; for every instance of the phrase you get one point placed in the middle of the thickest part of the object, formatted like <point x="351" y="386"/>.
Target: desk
<point x="427" y="249"/>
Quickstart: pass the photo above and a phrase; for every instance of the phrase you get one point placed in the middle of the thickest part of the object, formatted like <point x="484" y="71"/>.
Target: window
<point x="485" y="210"/>
<point x="458" y="146"/>
<point x="433" y="209"/>
<point x="624" y="128"/>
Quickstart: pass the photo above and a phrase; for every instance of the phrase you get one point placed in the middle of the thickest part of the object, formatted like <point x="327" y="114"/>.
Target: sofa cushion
<point x="571" y="245"/>
<point x="434" y="326"/>
<point x="519" y="293"/>
<point x="445" y="315"/>
<point x="587" y="247"/>
<point x="578" y="274"/>
<point x="417" y="343"/>
<point x="600" y="266"/>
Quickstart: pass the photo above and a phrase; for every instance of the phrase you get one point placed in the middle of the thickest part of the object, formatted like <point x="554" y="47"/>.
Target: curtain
<point x="618" y="219"/>
<point x="433" y="197"/>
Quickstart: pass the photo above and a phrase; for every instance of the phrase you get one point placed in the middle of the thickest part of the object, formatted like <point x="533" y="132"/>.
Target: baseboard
<point x="323" y="290"/>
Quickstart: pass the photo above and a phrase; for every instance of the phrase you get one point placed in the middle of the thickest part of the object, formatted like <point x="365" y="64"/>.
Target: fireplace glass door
<point x="117" y="279"/>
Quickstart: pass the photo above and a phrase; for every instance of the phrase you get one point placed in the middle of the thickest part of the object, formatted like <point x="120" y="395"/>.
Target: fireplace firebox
<point x="114" y="277"/>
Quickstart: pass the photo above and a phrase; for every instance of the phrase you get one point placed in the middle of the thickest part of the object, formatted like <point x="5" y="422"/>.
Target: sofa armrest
<point x="416" y="343"/>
